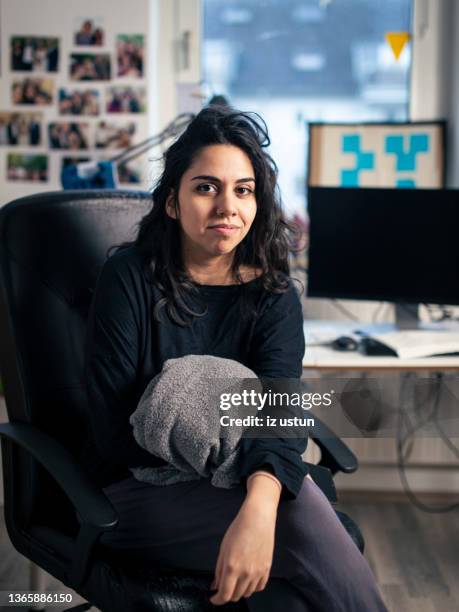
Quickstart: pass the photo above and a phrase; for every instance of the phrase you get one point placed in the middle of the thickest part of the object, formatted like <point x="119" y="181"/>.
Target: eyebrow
<point x="204" y="177"/>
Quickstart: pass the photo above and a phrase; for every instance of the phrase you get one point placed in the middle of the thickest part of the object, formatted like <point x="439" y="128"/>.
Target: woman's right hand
<point x="246" y="551"/>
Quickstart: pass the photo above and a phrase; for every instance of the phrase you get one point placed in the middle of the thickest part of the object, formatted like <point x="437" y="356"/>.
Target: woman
<point x="208" y="274"/>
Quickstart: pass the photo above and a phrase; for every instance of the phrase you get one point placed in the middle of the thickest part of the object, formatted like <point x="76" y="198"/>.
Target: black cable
<point x="401" y="456"/>
<point x="344" y="310"/>
<point x="412" y="428"/>
<point x="452" y="447"/>
<point x="409" y="434"/>
<point x="446" y="314"/>
<point x="374" y="318"/>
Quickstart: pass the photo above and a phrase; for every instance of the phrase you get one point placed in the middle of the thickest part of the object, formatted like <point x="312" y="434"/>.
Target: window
<point x="295" y="61"/>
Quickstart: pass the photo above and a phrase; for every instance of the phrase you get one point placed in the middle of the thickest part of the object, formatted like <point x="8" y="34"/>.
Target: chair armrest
<point x="92" y="505"/>
<point x="335" y="454"/>
<point x="324" y="480"/>
<point x="95" y="512"/>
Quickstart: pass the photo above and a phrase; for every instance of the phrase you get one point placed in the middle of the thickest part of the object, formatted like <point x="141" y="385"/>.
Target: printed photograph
<point x="23" y="129"/>
<point x="89" y="32"/>
<point x="111" y="136"/>
<point x="21" y="167"/>
<point x="126" y="100"/>
<point x="129" y="55"/>
<point x="34" y="54"/>
<point x="79" y="102"/>
<point x="32" y="91"/>
<point x="73" y="136"/>
<point x="90" y="67"/>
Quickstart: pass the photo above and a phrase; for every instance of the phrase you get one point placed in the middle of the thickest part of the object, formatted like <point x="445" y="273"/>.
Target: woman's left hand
<point x="246" y="553"/>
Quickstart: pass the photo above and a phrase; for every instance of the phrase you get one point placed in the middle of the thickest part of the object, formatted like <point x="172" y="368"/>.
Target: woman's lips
<point x="224" y="229"/>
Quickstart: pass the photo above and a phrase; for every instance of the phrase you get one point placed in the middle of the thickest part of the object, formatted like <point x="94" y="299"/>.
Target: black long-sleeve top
<point x="127" y="347"/>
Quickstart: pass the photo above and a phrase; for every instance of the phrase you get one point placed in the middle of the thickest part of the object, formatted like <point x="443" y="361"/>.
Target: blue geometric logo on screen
<point x="407" y="183"/>
<point x="406" y="156"/>
<point x="364" y="160"/>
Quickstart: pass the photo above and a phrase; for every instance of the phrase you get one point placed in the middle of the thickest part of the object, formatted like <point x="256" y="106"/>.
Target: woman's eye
<point x="206" y="188"/>
<point x="244" y="190"/>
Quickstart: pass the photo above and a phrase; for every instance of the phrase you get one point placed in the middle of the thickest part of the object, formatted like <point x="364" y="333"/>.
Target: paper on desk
<point x="323" y="332"/>
<point x="414" y="343"/>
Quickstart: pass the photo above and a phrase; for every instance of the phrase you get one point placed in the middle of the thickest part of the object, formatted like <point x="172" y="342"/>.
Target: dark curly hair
<point x="270" y="238"/>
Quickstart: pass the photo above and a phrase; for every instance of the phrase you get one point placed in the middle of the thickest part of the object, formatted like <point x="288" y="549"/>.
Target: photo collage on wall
<point x="88" y="114"/>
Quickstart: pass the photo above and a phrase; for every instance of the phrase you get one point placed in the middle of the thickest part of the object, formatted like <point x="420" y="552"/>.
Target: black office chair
<point x="52" y="247"/>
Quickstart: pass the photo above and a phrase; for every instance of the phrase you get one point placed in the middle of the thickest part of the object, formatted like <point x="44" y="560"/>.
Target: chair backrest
<point x="52" y="247"/>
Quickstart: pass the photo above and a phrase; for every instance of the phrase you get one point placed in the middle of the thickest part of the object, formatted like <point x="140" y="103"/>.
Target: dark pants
<point x="316" y="565"/>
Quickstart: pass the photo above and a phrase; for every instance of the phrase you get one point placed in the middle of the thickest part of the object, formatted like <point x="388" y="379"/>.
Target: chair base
<point x="353" y="530"/>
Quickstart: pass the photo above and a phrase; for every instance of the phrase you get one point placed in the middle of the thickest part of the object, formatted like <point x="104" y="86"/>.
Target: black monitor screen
<point x="399" y="245"/>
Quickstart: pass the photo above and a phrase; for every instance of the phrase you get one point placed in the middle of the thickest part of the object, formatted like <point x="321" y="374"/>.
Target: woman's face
<point x="17" y="94"/>
<point x="217" y="203"/>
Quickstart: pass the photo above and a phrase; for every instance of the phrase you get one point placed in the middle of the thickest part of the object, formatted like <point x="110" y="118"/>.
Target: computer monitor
<point x="398" y="245"/>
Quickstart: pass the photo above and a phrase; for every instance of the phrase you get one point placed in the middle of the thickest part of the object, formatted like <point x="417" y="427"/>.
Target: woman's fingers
<point x="218" y="569"/>
<point x="253" y="587"/>
<point x="233" y="588"/>
<point x="257" y="585"/>
<point x="225" y="589"/>
<point x="263" y="582"/>
<point x="243" y="586"/>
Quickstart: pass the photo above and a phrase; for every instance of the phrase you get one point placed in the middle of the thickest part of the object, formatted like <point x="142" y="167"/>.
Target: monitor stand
<point x="406" y="316"/>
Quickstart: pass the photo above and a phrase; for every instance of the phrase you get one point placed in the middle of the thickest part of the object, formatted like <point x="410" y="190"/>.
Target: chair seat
<point x="123" y="587"/>
<point x="174" y="592"/>
<point x="149" y="589"/>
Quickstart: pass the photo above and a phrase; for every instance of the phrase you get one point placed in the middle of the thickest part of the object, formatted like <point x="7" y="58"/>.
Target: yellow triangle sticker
<point x="397" y="42"/>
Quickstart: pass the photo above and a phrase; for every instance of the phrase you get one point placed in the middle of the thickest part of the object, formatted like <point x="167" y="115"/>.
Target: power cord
<point x="377" y="311"/>
<point x="404" y="453"/>
<point x="347" y="313"/>
<point x="446" y="314"/>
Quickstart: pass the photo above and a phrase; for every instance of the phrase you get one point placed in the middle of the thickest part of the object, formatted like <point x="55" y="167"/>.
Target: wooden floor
<point x="414" y="556"/>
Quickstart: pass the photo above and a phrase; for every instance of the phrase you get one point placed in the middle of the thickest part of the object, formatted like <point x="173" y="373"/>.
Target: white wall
<point x="56" y="18"/>
<point x="453" y="108"/>
<point x="430" y="76"/>
<point x="435" y="77"/>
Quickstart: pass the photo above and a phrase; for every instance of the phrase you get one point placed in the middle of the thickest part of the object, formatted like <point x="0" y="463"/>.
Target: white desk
<point x="377" y="469"/>
<point x="320" y="357"/>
